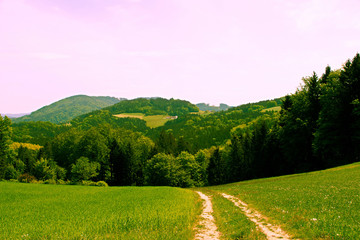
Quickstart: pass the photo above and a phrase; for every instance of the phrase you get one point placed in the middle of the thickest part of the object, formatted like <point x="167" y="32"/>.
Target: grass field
<point x="316" y="205"/>
<point x="152" y="121"/>
<point x="39" y="211"/>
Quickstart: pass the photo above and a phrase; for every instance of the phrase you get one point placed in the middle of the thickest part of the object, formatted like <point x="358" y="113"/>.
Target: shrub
<point x="62" y="182"/>
<point x="42" y="170"/>
<point x="102" y="184"/>
<point x="50" y="181"/>
<point x="11" y="172"/>
<point x="37" y="181"/>
<point x="26" y="178"/>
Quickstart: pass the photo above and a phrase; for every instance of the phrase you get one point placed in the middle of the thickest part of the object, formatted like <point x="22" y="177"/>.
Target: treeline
<point x="118" y="156"/>
<point x="318" y="127"/>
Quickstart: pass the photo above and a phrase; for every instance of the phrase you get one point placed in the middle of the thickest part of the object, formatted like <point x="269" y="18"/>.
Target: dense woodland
<point x="318" y="127"/>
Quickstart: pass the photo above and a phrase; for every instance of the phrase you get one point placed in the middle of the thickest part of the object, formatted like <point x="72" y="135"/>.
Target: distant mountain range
<point x="68" y="108"/>
<point x="207" y="107"/>
<point x="14" y="115"/>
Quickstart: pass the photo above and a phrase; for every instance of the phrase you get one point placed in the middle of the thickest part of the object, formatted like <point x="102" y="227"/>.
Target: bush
<point x="50" y="181"/>
<point x="11" y="172"/>
<point x="42" y="170"/>
<point x="102" y="184"/>
<point x="62" y="182"/>
<point x="37" y="181"/>
<point x="26" y="178"/>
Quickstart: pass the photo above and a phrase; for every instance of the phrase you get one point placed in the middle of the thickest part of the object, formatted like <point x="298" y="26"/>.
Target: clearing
<point x="152" y="121"/>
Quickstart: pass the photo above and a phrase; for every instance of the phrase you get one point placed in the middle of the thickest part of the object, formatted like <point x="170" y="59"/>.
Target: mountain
<point x="207" y="107"/>
<point x="14" y="115"/>
<point x="66" y="109"/>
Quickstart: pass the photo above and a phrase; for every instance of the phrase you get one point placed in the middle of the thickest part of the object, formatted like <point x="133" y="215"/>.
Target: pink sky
<point x="229" y="51"/>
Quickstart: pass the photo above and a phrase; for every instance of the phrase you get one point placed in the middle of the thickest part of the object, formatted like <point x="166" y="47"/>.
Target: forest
<point x="317" y="127"/>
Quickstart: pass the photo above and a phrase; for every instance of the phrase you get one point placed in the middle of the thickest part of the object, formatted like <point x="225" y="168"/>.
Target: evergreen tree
<point x="216" y="168"/>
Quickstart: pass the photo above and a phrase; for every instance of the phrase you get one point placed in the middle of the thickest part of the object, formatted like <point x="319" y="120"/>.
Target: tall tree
<point x="5" y="141"/>
<point x="217" y="168"/>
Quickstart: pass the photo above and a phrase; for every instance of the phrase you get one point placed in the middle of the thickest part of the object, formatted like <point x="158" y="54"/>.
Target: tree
<point x="84" y="170"/>
<point x="93" y="146"/>
<point x="216" y="168"/>
<point x="5" y="141"/>
<point x="43" y="170"/>
<point x="162" y="170"/>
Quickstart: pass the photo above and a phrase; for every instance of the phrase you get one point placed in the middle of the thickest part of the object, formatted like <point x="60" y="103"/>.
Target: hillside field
<point x="39" y="211"/>
<point x="152" y="121"/>
<point x="316" y="205"/>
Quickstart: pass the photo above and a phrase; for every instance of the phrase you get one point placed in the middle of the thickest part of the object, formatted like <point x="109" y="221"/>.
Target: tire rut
<point x="206" y="228"/>
<point x="272" y="232"/>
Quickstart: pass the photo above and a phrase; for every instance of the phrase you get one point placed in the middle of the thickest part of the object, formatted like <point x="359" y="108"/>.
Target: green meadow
<point x="152" y="121"/>
<point x="40" y="211"/>
<point x="315" y="205"/>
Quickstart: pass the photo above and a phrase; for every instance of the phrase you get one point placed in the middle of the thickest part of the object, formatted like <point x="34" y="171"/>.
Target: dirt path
<point x="271" y="231"/>
<point x="207" y="228"/>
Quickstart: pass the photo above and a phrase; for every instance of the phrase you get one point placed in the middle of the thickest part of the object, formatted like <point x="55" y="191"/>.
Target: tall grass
<point x="37" y="211"/>
<point x="317" y="205"/>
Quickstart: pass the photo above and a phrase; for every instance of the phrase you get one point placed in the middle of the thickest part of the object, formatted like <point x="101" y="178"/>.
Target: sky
<point x="212" y="51"/>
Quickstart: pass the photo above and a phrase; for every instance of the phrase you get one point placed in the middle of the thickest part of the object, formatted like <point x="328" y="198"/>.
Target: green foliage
<point x="162" y="170"/>
<point x="84" y="170"/>
<point x="11" y="172"/>
<point x="66" y="109"/>
<point x="217" y="168"/>
<point x="26" y="178"/>
<point x="46" y="169"/>
<point x="36" y="132"/>
<point x="102" y="184"/>
<point x="204" y="131"/>
<point x="5" y="141"/>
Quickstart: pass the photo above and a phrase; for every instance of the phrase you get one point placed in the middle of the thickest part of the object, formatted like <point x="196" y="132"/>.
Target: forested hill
<point x="152" y="106"/>
<point x="198" y="131"/>
<point x="68" y="108"/>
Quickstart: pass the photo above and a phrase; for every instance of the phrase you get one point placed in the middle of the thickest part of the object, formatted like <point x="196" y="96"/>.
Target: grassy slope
<point x="316" y="205"/>
<point x="152" y="121"/>
<point x="31" y="211"/>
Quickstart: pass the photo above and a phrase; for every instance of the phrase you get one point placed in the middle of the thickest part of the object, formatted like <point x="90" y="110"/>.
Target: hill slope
<point x="68" y="108"/>
<point x="315" y="205"/>
<point x="147" y="107"/>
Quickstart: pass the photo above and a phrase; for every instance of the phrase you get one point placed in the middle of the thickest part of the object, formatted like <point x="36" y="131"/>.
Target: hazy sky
<point x="230" y="51"/>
